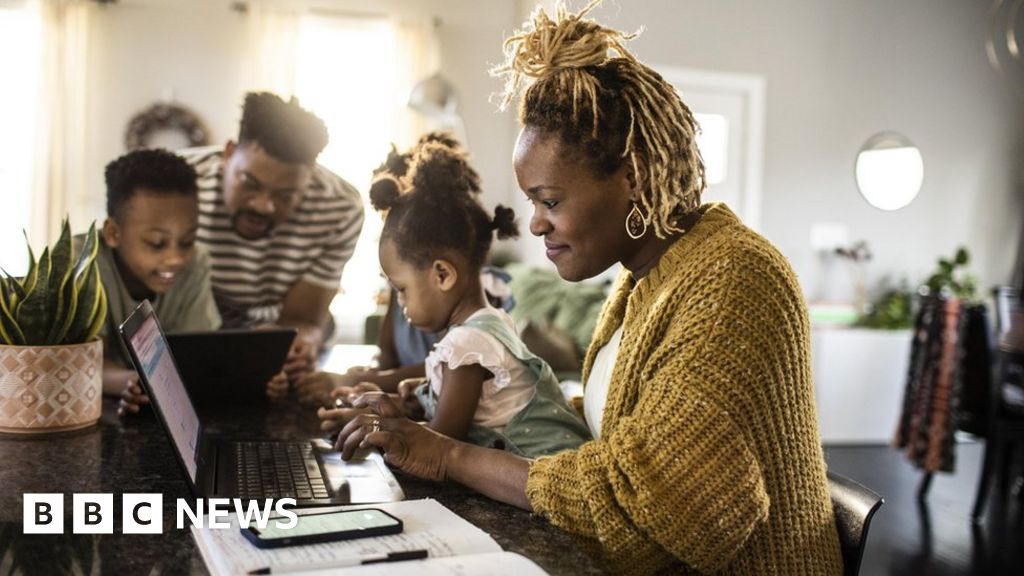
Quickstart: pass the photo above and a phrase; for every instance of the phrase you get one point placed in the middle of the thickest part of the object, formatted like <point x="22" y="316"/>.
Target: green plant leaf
<point x="71" y="289"/>
<point x="60" y="270"/>
<point x="91" y="300"/>
<point x="70" y="294"/>
<point x="101" y="311"/>
<point x="962" y="257"/>
<point x="61" y="299"/>
<point x="10" y="332"/>
<point x="5" y="291"/>
<point x="31" y="314"/>
<point x="28" y="283"/>
<point x="16" y="292"/>
<point x="90" y="249"/>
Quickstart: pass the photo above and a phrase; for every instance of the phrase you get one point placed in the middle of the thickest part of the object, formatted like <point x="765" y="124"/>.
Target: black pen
<point x="342" y="562"/>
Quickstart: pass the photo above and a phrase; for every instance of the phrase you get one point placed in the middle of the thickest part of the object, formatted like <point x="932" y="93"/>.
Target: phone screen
<point x="354" y="521"/>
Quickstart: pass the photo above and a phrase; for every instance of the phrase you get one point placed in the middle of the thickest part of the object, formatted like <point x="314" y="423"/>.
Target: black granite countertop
<point x="135" y="457"/>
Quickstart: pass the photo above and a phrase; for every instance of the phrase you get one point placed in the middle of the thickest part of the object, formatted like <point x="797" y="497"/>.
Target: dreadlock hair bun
<point x="579" y="82"/>
<point x="504" y="222"/>
<point x="385" y="192"/>
<point x="548" y="46"/>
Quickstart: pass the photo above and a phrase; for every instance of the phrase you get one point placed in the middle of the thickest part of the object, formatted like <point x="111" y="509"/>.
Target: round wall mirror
<point x="889" y="171"/>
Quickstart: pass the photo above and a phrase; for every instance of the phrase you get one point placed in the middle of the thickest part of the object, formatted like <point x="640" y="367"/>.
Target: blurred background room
<point x="878" y="144"/>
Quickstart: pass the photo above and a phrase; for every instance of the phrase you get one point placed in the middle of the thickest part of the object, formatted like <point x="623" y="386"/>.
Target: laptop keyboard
<point x="278" y="470"/>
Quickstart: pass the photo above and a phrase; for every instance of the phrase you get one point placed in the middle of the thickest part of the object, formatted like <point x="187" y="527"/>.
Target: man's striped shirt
<point x="251" y="278"/>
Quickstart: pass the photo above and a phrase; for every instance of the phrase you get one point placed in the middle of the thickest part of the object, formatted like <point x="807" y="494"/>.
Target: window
<point x="730" y="111"/>
<point x="713" y="142"/>
<point x="20" y="33"/>
<point x="345" y="73"/>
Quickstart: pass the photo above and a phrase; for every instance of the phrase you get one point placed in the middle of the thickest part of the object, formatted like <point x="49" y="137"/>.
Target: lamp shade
<point x="433" y="96"/>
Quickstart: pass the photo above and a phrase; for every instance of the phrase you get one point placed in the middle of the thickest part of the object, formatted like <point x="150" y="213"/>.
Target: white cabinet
<point x="859" y="378"/>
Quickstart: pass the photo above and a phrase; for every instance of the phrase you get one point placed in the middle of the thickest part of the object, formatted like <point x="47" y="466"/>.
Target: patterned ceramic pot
<point x="50" y="388"/>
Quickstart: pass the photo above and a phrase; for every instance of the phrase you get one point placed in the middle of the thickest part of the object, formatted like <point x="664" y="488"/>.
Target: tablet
<point x="222" y="368"/>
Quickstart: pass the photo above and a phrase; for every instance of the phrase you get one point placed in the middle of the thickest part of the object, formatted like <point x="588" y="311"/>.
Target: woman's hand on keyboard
<point x="411" y="447"/>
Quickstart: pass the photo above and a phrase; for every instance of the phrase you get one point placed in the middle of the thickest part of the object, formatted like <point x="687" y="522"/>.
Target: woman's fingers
<point x="412" y="448"/>
<point x="352" y="434"/>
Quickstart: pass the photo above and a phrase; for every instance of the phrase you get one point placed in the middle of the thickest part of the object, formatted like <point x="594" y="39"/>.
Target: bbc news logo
<point x="144" y="513"/>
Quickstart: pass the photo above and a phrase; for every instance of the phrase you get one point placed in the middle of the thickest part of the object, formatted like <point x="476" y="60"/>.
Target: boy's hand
<point x="277" y="388"/>
<point x="407" y="395"/>
<point x="316" y="388"/>
<point x="132" y="397"/>
<point x="301" y="360"/>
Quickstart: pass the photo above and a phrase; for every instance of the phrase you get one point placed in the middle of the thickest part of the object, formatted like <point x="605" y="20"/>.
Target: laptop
<point x="216" y="467"/>
<point x="223" y="368"/>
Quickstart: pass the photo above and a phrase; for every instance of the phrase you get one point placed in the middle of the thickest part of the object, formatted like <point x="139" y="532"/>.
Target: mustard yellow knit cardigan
<point x="709" y="459"/>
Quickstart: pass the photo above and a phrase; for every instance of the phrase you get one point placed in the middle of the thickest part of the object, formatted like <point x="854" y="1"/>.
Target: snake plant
<point x="59" y="301"/>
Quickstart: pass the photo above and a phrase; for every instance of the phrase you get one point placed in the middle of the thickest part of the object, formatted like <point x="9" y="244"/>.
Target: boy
<point x="148" y="251"/>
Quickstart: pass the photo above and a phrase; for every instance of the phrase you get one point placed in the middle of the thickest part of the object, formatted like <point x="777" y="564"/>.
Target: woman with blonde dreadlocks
<point x="706" y="457"/>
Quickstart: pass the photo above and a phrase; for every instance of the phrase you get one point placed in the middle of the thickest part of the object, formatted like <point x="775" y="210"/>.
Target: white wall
<point x="836" y="73"/>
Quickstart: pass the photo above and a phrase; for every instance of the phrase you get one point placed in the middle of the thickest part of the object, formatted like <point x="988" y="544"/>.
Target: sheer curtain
<point x="62" y="129"/>
<point x="273" y="32"/>
<point x="42" y="121"/>
<point x="417" y="56"/>
<point x="355" y="72"/>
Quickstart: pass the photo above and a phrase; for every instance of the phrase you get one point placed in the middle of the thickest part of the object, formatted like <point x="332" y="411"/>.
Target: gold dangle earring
<point x="636" y="223"/>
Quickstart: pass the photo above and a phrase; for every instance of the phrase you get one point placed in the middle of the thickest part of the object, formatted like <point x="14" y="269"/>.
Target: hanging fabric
<point x="946" y="382"/>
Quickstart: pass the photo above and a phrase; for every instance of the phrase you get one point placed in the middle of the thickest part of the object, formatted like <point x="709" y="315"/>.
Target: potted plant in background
<point x="51" y="362"/>
<point x="892" y="310"/>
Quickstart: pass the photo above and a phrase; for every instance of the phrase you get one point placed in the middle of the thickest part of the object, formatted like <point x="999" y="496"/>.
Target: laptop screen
<point x="165" y="383"/>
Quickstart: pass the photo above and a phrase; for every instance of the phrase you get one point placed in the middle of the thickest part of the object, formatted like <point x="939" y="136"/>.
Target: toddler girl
<point x="482" y="384"/>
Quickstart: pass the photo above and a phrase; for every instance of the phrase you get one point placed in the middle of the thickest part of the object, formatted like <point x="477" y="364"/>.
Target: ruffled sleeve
<point x="465" y="346"/>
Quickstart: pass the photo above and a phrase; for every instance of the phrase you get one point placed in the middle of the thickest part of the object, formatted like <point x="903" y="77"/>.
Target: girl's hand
<point x="332" y="420"/>
<point x="277" y="388"/>
<point x="408" y="446"/>
<point x="354" y="376"/>
<point x="316" y="388"/>
<point x="132" y="397"/>
<point x="410" y="402"/>
<point x="348" y="393"/>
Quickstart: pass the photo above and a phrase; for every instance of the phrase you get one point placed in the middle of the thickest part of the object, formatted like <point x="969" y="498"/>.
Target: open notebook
<point x="455" y="547"/>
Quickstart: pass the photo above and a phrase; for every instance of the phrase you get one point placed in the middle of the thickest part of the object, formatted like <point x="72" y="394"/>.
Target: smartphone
<point x="325" y="527"/>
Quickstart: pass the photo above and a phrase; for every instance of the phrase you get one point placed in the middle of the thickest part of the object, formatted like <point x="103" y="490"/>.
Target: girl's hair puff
<point x="432" y="208"/>
<point x="385" y="192"/>
<point x="608" y="108"/>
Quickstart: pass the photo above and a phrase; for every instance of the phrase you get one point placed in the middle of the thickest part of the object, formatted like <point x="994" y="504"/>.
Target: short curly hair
<point x="284" y="130"/>
<point x="154" y="169"/>
<point x="607" y="110"/>
<point x="429" y="197"/>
